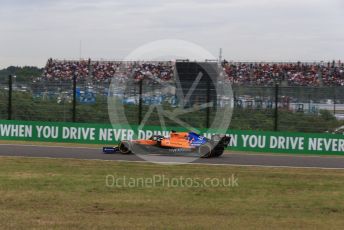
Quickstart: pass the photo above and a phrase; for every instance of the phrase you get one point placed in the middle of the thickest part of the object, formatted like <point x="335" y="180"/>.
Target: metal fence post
<point x="140" y="102"/>
<point x="276" y="107"/>
<point x="74" y="98"/>
<point x="208" y="108"/>
<point x="10" y="89"/>
<point x="334" y="100"/>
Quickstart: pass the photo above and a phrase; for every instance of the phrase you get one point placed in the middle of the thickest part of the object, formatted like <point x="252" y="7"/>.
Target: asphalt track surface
<point x="244" y="159"/>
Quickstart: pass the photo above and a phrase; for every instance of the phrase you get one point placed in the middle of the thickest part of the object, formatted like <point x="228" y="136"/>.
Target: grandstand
<point x="239" y="73"/>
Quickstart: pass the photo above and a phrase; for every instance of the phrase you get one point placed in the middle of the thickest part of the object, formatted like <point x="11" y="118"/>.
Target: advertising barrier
<point x="106" y="134"/>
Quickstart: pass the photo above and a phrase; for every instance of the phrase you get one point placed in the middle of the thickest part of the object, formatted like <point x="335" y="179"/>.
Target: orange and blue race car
<point x="178" y="142"/>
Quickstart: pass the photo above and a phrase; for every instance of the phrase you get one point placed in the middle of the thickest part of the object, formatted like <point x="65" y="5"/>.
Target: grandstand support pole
<point x="276" y="107"/>
<point x="74" y="98"/>
<point x="10" y="90"/>
<point x="140" y="102"/>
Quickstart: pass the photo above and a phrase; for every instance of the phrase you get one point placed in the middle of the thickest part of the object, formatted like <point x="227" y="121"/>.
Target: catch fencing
<point x="274" y="108"/>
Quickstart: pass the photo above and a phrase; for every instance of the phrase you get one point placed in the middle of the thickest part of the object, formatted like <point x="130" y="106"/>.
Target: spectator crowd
<point x="154" y="71"/>
<point x="103" y="71"/>
<point x="294" y="74"/>
<point x="260" y="74"/>
<point x="65" y="70"/>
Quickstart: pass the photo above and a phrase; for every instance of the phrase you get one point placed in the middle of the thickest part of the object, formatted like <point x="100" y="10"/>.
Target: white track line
<point x="226" y="153"/>
<point x="178" y="163"/>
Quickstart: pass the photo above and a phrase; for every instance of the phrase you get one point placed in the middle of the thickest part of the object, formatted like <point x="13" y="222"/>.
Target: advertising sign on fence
<point x="257" y="141"/>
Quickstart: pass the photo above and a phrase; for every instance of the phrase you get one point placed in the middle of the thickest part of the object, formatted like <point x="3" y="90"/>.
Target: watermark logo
<point x="162" y="181"/>
<point x="149" y="89"/>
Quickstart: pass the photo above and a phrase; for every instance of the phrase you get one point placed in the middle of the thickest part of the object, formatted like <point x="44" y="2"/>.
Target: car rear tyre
<point x="205" y="151"/>
<point x="218" y="153"/>
<point x="125" y="147"/>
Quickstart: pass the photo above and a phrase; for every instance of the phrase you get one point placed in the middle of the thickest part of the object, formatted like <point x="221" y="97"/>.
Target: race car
<point x="178" y="142"/>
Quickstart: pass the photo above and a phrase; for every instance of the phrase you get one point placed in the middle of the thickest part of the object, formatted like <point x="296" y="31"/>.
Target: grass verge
<point x="67" y="194"/>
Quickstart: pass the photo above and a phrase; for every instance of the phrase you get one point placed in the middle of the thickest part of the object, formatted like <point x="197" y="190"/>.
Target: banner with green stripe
<point x="106" y="134"/>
